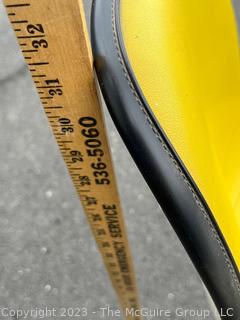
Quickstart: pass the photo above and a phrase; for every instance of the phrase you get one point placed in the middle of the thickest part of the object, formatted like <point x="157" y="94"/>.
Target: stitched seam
<point x="166" y="149"/>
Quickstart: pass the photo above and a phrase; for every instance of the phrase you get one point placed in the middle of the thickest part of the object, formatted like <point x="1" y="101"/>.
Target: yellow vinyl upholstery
<point x="185" y="56"/>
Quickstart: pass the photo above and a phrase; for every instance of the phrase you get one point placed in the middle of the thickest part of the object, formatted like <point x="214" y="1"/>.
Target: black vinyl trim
<point x="157" y="160"/>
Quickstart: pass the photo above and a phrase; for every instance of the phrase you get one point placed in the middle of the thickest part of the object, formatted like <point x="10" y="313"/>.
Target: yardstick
<point x="53" y="37"/>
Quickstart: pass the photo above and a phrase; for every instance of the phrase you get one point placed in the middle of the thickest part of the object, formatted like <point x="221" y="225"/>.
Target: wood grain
<point x="53" y="37"/>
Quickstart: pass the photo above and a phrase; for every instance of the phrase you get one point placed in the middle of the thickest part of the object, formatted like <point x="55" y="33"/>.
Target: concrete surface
<point x="48" y="255"/>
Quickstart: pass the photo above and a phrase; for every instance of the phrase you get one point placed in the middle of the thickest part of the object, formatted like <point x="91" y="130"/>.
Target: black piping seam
<point x="171" y="156"/>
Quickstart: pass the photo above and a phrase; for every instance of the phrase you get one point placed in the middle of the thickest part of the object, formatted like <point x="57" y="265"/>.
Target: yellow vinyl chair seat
<point x="185" y="56"/>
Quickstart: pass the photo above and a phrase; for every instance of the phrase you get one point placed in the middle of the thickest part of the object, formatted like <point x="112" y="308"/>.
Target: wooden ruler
<point x="53" y="37"/>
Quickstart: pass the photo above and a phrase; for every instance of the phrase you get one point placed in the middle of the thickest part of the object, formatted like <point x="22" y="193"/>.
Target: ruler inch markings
<point x="39" y="76"/>
<point x="38" y="63"/>
<point x="54" y="107"/>
<point x="74" y="112"/>
<point x="19" y="21"/>
<point x="30" y="37"/>
<point x="30" y="50"/>
<point x="17" y="5"/>
<point x="49" y="87"/>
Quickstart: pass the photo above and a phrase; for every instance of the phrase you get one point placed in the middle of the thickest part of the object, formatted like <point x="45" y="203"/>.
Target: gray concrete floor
<point x="48" y="255"/>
